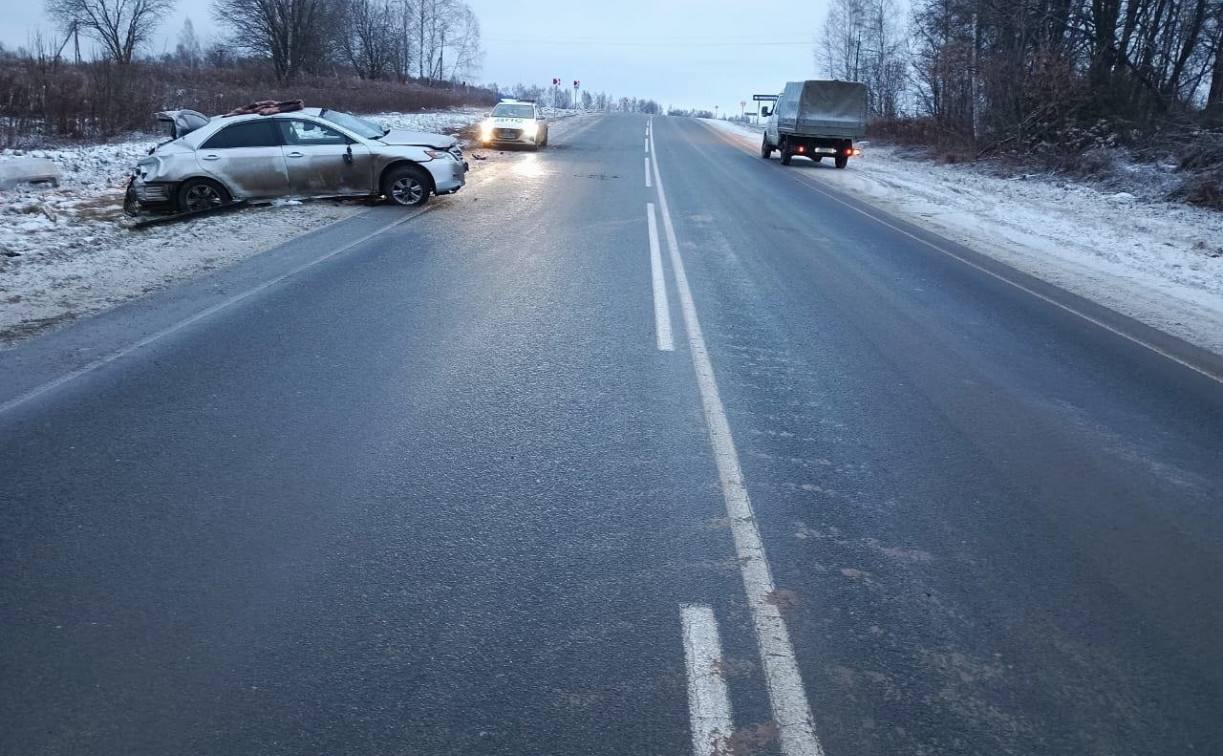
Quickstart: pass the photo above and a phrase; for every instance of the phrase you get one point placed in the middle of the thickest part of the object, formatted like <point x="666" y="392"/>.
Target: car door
<point x="323" y="162"/>
<point x="247" y="158"/>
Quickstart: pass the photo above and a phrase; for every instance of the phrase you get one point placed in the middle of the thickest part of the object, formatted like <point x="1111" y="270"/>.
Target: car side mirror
<point x="765" y="112"/>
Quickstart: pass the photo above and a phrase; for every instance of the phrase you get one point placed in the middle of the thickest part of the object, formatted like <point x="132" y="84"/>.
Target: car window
<point x="505" y="110"/>
<point x="358" y="126"/>
<point x="308" y="133"/>
<point x="246" y="134"/>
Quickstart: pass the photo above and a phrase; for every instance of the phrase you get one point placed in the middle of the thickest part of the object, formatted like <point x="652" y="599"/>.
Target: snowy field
<point x="67" y="252"/>
<point x="1158" y="262"/>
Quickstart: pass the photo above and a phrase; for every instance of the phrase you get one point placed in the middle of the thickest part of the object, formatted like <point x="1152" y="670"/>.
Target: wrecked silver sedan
<point x="307" y="153"/>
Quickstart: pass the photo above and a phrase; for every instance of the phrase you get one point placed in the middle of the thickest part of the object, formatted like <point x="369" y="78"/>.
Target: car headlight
<point x="531" y="129"/>
<point x="438" y="154"/>
<point x="486" y="129"/>
<point x="148" y="168"/>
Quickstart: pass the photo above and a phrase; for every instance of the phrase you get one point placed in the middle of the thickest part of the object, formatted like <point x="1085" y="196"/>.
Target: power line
<point x="650" y="43"/>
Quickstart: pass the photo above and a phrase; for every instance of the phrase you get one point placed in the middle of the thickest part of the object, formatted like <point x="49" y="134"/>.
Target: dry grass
<point x="40" y="101"/>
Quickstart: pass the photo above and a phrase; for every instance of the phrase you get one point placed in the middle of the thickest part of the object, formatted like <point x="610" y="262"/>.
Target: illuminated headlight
<point x="486" y="129"/>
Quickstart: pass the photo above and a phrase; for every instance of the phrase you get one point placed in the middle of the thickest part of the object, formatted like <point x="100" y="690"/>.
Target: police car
<point x="515" y="122"/>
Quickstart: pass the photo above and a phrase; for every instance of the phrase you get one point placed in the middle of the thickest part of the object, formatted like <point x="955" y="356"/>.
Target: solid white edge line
<point x="201" y="315"/>
<point x="1065" y="307"/>
<point x="662" y="308"/>
<point x="810" y="182"/>
<point x="787" y="696"/>
<point x="708" y="701"/>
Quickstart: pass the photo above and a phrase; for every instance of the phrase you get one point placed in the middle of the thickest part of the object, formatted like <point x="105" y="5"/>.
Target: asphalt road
<point x="437" y="490"/>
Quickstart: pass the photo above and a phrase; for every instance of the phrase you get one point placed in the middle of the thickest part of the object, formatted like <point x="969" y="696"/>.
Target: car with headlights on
<point x="307" y="153"/>
<point x="515" y="122"/>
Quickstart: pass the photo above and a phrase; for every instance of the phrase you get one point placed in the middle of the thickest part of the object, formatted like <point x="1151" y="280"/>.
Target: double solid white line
<point x="787" y="695"/>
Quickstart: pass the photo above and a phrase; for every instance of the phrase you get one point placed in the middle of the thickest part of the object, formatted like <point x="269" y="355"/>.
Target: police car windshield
<point x="505" y="110"/>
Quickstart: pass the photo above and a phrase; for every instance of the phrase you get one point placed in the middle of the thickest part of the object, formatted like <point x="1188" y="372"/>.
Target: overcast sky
<point x="688" y="53"/>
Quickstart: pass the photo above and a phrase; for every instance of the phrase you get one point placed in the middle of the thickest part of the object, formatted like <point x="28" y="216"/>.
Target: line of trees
<point x="428" y="40"/>
<point x="992" y="72"/>
<point x="97" y="76"/>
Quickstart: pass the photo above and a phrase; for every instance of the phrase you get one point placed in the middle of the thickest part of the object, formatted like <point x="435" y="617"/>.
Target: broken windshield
<point x="358" y="126"/>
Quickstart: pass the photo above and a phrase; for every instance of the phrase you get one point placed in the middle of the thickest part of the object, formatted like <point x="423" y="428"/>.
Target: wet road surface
<point x="639" y="445"/>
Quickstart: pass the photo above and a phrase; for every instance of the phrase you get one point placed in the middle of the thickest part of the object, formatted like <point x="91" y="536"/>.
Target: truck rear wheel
<point x="766" y="151"/>
<point x="842" y="161"/>
<point x="786" y="156"/>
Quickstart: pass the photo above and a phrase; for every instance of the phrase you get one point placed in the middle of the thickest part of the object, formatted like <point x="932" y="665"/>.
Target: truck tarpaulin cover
<point x="823" y="108"/>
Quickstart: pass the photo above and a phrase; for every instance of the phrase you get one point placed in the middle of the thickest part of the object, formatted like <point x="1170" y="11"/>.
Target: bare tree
<point x="119" y="26"/>
<point x="188" y="51"/>
<point x="862" y="41"/>
<point x="294" y="34"/>
<point x="1214" y="96"/>
<point x="447" y="39"/>
<point x="369" y="38"/>
<point x="463" y="39"/>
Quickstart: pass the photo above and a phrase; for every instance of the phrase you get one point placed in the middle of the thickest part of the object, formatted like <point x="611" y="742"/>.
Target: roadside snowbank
<point x="1158" y="262"/>
<point x="66" y="251"/>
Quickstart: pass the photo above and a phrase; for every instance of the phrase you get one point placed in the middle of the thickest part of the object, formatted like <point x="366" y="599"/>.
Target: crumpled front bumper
<point x="151" y="193"/>
<point x="449" y="175"/>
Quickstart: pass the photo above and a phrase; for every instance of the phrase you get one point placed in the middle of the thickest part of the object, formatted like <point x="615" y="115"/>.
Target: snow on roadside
<point x="65" y="251"/>
<point x="450" y="122"/>
<point x="441" y="122"/>
<point x="1158" y="262"/>
<point x="104" y="264"/>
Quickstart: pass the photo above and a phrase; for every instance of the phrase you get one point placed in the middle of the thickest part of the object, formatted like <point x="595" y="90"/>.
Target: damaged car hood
<point x="404" y="138"/>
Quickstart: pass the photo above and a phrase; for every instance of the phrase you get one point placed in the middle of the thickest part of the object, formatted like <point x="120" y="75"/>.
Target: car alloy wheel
<point x="202" y="197"/>
<point x="407" y="190"/>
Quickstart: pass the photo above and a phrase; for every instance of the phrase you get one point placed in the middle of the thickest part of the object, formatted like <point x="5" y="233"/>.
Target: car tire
<point x="766" y="151"/>
<point x="407" y="186"/>
<point x="198" y="194"/>
<point x="786" y="156"/>
<point x="841" y="161"/>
